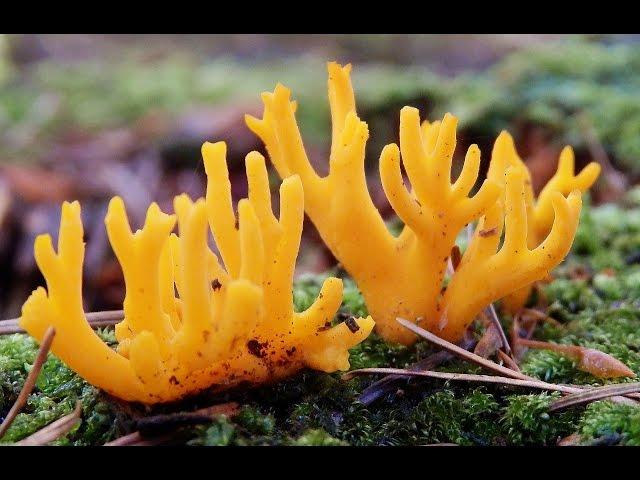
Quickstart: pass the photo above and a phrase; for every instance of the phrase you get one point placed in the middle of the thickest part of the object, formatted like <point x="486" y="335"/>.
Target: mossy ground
<point x="599" y="310"/>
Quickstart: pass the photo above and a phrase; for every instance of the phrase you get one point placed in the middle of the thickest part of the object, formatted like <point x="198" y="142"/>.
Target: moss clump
<point x="609" y="236"/>
<point x="527" y="421"/>
<point x="17" y="354"/>
<point x="375" y="352"/>
<point x="549" y="366"/>
<point x="220" y="433"/>
<point x="55" y="395"/>
<point x="608" y="422"/>
<point x="39" y="411"/>
<point x="317" y="437"/>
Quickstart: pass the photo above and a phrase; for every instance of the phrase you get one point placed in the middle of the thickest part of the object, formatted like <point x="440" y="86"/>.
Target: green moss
<point x="527" y="421"/>
<point x="605" y="419"/>
<point x="55" y="395"/>
<point x="540" y="86"/>
<point x="548" y="366"/>
<point x="220" y="433"/>
<point x="317" y="437"/>
<point x="375" y="352"/>
<point x="39" y="411"/>
<point x="254" y="421"/>
<point x="608" y="287"/>
<point x="570" y="296"/>
<point x="17" y="353"/>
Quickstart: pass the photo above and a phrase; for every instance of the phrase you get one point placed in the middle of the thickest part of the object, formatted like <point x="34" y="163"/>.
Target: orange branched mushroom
<point x="403" y="276"/>
<point x="225" y="325"/>
<point x="487" y="273"/>
<point x="540" y="213"/>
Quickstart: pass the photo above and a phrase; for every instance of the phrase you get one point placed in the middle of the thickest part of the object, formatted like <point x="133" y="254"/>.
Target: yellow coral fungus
<point x="485" y="275"/>
<point x="225" y="325"/>
<point x="540" y="213"/>
<point x="403" y="276"/>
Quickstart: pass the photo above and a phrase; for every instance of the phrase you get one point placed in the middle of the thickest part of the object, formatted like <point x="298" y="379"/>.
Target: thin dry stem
<point x="490" y="311"/>
<point x="594" y="394"/>
<point x="135" y="439"/>
<point x="509" y="362"/>
<point x="54" y="430"/>
<point x="461" y="352"/>
<point x="489" y="365"/>
<point x="96" y="320"/>
<point x="466" y="377"/>
<point x="542" y="316"/>
<point x="129" y="439"/>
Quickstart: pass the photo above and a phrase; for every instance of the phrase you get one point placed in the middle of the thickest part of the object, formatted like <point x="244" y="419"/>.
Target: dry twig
<point x="543" y="317"/>
<point x="386" y="384"/>
<point x="490" y="312"/>
<point x="54" y="430"/>
<point x="570" y="441"/>
<point x="466" y="377"/>
<point x="594" y="394"/>
<point x="135" y="439"/>
<point x="508" y="361"/>
<point x="95" y="319"/>
<point x="461" y="352"/>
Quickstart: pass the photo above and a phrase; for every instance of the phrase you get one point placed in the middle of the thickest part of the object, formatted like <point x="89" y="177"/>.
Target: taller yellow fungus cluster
<point x="188" y="322"/>
<point x="403" y="276"/>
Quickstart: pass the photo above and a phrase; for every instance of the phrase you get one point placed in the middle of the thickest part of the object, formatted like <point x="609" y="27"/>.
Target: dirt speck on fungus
<point x="352" y="324"/>
<point x="256" y="348"/>
<point x="488" y="232"/>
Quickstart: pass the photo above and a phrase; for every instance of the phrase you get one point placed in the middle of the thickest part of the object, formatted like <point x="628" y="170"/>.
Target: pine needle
<point x="95" y="319"/>
<point x="54" y="430"/>
<point x="594" y="394"/>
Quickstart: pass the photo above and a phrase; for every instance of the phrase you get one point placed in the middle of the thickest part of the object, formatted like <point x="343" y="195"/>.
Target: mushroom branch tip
<point x="191" y="324"/>
<point x="404" y="275"/>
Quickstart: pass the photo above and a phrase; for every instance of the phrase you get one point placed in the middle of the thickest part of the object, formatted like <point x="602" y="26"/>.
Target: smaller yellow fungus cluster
<point x="404" y="276"/>
<point x="190" y="323"/>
